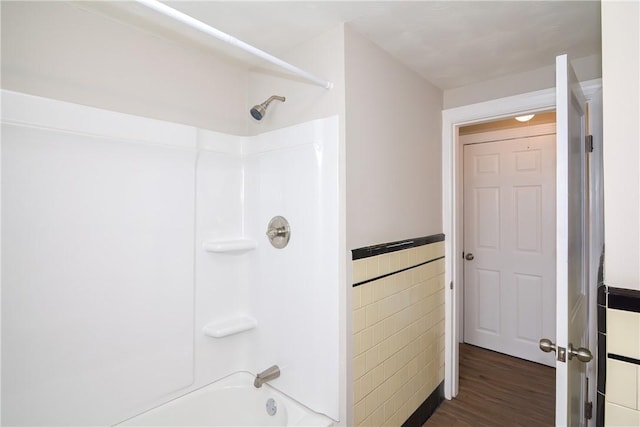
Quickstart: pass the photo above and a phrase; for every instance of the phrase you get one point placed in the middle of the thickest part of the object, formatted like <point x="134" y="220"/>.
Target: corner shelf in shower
<point x="231" y="326"/>
<point x="229" y="246"/>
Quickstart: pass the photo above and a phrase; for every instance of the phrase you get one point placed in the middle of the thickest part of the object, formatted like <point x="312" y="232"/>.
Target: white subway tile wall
<point x="398" y="332"/>
<point x="622" y="406"/>
<point x="623" y="333"/>
<point x="620" y="416"/>
<point x="622" y="383"/>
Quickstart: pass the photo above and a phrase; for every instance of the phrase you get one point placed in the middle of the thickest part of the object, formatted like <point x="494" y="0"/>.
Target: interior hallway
<point x="498" y="390"/>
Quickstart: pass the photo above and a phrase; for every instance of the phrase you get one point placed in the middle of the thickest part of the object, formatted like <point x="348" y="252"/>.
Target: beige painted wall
<point x="587" y="68"/>
<point x="58" y="50"/>
<point x="621" y="112"/>
<point x="394" y="186"/>
<point x="324" y="57"/>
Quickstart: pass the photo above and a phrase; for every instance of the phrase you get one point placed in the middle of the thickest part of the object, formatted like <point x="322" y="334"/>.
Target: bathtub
<point x="231" y="401"/>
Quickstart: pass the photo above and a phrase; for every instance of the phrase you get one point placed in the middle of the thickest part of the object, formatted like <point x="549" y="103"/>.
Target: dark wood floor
<point x="498" y="390"/>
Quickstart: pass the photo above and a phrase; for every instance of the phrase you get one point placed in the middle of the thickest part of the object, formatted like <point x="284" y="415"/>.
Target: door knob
<point x="547" y="346"/>
<point x="469" y="257"/>
<point x="583" y="354"/>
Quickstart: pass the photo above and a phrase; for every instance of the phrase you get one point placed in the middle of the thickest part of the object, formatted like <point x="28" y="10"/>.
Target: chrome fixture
<point x="279" y="232"/>
<point x="267" y="375"/>
<point x="272" y="407"/>
<point x="258" y="111"/>
<point x="581" y="353"/>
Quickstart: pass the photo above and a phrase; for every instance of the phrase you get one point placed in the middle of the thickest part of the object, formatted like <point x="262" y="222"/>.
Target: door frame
<point x="452" y="214"/>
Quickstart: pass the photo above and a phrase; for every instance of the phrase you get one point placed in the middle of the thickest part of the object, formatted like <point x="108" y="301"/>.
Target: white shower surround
<point x="238" y="184"/>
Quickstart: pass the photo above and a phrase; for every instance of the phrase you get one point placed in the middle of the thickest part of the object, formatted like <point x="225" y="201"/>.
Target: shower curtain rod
<point x="207" y="29"/>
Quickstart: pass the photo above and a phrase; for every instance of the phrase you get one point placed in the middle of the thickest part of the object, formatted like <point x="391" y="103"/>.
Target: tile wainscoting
<point x="398" y="331"/>
<point x="619" y="357"/>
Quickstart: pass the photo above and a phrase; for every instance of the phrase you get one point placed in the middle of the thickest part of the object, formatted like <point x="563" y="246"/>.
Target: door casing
<point x="452" y="120"/>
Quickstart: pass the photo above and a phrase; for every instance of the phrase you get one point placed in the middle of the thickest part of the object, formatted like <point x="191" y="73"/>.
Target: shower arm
<point x="214" y="32"/>
<point x="273" y="98"/>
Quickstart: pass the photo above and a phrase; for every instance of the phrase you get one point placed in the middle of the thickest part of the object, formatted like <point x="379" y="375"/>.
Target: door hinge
<point x="588" y="410"/>
<point x="451" y="285"/>
<point x="589" y="143"/>
<point x="588" y="406"/>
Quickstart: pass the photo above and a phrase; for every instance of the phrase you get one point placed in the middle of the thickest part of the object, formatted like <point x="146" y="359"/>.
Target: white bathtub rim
<point x="244" y="375"/>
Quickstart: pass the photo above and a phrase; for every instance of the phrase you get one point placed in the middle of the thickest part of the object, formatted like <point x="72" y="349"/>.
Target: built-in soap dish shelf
<point x="231" y="326"/>
<point x="229" y="246"/>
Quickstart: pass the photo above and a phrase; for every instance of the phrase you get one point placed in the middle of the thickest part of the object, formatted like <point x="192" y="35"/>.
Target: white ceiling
<point x="450" y="43"/>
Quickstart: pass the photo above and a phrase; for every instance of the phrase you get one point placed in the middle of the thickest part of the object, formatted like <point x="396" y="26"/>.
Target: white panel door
<point x="572" y="244"/>
<point x="509" y="241"/>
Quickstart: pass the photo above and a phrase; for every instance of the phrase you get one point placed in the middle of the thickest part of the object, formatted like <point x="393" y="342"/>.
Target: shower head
<point x="258" y="111"/>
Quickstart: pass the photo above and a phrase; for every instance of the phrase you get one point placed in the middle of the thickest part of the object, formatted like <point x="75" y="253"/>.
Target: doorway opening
<point x="453" y="120"/>
<point x="506" y="288"/>
<point x="507" y="300"/>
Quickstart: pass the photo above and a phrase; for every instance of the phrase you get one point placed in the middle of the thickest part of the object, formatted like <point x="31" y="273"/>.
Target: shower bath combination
<point x="258" y="111"/>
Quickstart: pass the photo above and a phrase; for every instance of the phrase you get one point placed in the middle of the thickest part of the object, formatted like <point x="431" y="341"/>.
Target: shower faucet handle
<point x="276" y="232"/>
<point x="279" y="232"/>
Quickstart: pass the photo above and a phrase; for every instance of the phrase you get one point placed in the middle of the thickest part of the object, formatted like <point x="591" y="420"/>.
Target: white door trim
<point x="452" y="119"/>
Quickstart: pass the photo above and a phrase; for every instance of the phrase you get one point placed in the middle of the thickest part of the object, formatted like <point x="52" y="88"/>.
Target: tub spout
<point x="267" y="375"/>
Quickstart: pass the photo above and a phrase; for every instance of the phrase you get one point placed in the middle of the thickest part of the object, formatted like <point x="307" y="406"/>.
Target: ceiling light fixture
<point x="525" y="118"/>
